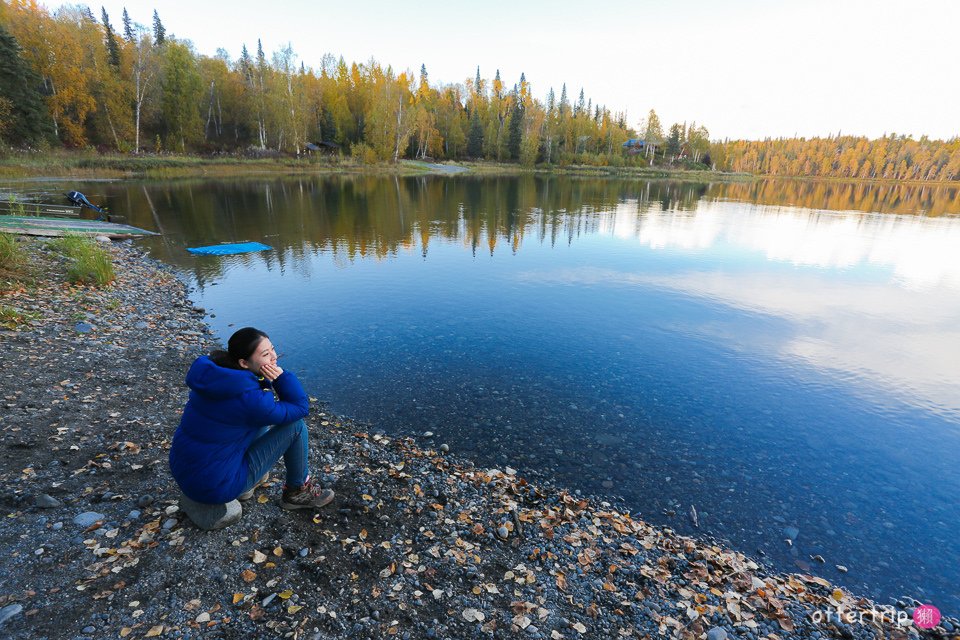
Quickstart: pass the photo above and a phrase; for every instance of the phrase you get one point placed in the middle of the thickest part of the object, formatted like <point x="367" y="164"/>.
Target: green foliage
<point x="11" y="255"/>
<point x="23" y="116"/>
<point x="12" y="318"/>
<point x="88" y="263"/>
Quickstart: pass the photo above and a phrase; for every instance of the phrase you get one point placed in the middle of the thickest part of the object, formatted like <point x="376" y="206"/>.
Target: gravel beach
<point x="419" y="543"/>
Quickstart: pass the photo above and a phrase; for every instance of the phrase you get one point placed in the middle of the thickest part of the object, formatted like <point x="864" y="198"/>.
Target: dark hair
<point x="241" y="346"/>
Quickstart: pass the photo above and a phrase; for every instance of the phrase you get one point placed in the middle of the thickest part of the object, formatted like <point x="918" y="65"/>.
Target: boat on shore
<point x="56" y="227"/>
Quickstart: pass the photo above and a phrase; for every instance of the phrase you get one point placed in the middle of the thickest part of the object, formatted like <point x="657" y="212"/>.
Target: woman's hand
<point x="271" y="371"/>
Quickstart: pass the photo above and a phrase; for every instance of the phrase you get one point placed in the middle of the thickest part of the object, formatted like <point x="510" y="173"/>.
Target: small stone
<point x="141" y="325"/>
<point x="45" y="501"/>
<point x="105" y="240"/>
<point x="791" y="533"/>
<point x="717" y="633"/>
<point x="445" y="448"/>
<point x="503" y="532"/>
<point x="87" y="518"/>
<point x="9" y="611"/>
<point x="841" y="568"/>
<point x="169" y="523"/>
<point x="304" y="552"/>
<point x="56" y="526"/>
<point x="145" y="500"/>
<point x="89" y="629"/>
<point x="428" y="434"/>
<point x="607" y="484"/>
<point x="134" y="514"/>
<point x="83" y="327"/>
<point x="266" y="601"/>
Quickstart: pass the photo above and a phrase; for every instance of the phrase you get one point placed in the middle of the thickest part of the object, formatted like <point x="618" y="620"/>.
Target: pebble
<point x="87" y="518"/>
<point x="45" y="501"/>
<point x="169" y="523"/>
<point x="89" y="629"/>
<point x="9" y="611"/>
<point x="791" y="533"/>
<point x="83" y="327"/>
<point x="266" y="601"/>
<point x="134" y="514"/>
<point x="304" y="552"/>
<point x="717" y="633"/>
<point x="503" y="532"/>
<point x="145" y="500"/>
<point x="445" y="448"/>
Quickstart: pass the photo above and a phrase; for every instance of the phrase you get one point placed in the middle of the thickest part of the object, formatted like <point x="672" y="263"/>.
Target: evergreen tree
<point x="564" y="101"/>
<point x="113" y="49"/>
<point x="581" y="106"/>
<point x="159" y="32"/>
<point x="475" y="136"/>
<point x="515" y="135"/>
<point x="23" y="114"/>
<point x="127" y="26"/>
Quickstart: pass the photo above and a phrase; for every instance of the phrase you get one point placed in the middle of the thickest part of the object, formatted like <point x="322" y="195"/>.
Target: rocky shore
<point x="418" y="544"/>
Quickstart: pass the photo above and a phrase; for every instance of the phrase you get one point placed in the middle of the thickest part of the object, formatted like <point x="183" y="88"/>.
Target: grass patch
<point x="12" y="256"/>
<point x="89" y="263"/>
<point x="11" y="318"/>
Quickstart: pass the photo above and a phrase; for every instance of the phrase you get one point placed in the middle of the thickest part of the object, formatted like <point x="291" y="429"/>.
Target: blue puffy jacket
<point x="221" y="419"/>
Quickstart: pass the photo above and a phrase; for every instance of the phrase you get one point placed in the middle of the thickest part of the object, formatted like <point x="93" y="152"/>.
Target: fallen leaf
<point x="293" y="608"/>
<point x="285" y="595"/>
<point x="262" y="499"/>
<point x="155" y="631"/>
<point x="248" y="576"/>
<point x="237" y="597"/>
<point x="278" y="551"/>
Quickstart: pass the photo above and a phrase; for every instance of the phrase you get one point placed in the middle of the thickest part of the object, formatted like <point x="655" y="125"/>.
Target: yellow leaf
<point x="262" y="499"/>
<point x="285" y="595"/>
<point x="363" y="534"/>
<point x="125" y="632"/>
<point x="269" y="565"/>
<point x="367" y="497"/>
<point x="293" y="608"/>
<point x="155" y="631"/>
<point x="237" y="597"/>
<point x="248" y="576"/>
<point x="278" y="551"/>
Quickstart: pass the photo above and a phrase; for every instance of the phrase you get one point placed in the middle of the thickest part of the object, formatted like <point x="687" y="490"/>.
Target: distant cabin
<point x="635" y="146"/>
<point x="327" y="147"/>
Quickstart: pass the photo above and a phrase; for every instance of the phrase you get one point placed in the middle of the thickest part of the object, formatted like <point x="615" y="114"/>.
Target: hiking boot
<point x="308" y="496"/>
<point x="246" y="495"/>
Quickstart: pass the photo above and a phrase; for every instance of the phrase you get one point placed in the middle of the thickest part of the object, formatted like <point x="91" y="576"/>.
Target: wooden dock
<point x="54" y="227"/>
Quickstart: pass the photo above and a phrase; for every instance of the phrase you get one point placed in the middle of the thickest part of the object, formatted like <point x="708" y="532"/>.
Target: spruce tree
<point x="127" y="26"/>
<point x="475" y="136"/>
<point x="515" y="134"/>
<point x="159" y="32"/>
<point x="113" y="49"/>
<point x="23" y="114"/>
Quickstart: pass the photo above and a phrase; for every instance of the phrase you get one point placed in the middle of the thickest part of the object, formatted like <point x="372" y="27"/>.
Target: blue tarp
<point x="229" y="249"/>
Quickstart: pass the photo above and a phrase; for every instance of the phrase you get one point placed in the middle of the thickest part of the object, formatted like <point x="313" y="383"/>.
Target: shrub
<point x="88" y="262"/>
<point x="11" y="255"/>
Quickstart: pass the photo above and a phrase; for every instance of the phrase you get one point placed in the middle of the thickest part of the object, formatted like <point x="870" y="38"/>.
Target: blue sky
<point x="743" y="68"/>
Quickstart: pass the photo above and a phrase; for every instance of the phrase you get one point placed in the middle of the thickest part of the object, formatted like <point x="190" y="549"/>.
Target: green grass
<point x="89" y="263"/>
<point x="11" y="255"/>
<point x="11" y="318"/>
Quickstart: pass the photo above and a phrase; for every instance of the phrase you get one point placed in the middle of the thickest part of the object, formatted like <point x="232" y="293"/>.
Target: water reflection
<point x="673" y="343"/>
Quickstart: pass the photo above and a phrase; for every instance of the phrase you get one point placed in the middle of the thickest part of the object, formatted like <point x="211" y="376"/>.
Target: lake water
<point x="778" y="354"/>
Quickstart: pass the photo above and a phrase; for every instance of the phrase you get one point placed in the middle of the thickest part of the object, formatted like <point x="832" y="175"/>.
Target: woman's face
<point x="263" y="354"/>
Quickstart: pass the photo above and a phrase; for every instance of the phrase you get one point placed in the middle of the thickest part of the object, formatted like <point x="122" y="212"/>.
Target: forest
<point x="70" y="79"/>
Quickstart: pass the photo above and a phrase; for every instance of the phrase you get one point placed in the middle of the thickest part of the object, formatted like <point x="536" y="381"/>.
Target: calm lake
<point x="784" y="356"/>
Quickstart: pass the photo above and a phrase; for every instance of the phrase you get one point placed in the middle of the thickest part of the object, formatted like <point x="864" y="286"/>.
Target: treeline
<point x="891" y="157"/>
<point x="71" y="78"/>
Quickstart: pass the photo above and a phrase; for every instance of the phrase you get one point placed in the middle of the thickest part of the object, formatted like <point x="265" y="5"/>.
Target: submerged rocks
<point x="45" y="501"/>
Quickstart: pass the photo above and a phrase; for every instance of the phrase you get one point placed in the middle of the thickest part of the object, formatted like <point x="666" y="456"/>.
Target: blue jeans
<point x="284" y="440"/>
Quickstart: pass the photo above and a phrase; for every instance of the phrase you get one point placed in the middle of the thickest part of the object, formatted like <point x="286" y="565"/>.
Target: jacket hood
<point x="211" y="380"/>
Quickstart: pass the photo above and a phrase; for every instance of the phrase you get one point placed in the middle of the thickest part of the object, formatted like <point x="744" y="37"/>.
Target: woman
<point x="224" y="443"/>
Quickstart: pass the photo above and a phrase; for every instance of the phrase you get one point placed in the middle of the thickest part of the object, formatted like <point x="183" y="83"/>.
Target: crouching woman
<point x="244" y="414"/>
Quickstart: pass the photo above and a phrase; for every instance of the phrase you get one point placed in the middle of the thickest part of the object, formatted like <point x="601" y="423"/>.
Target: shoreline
<point x="418" y="544"/>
